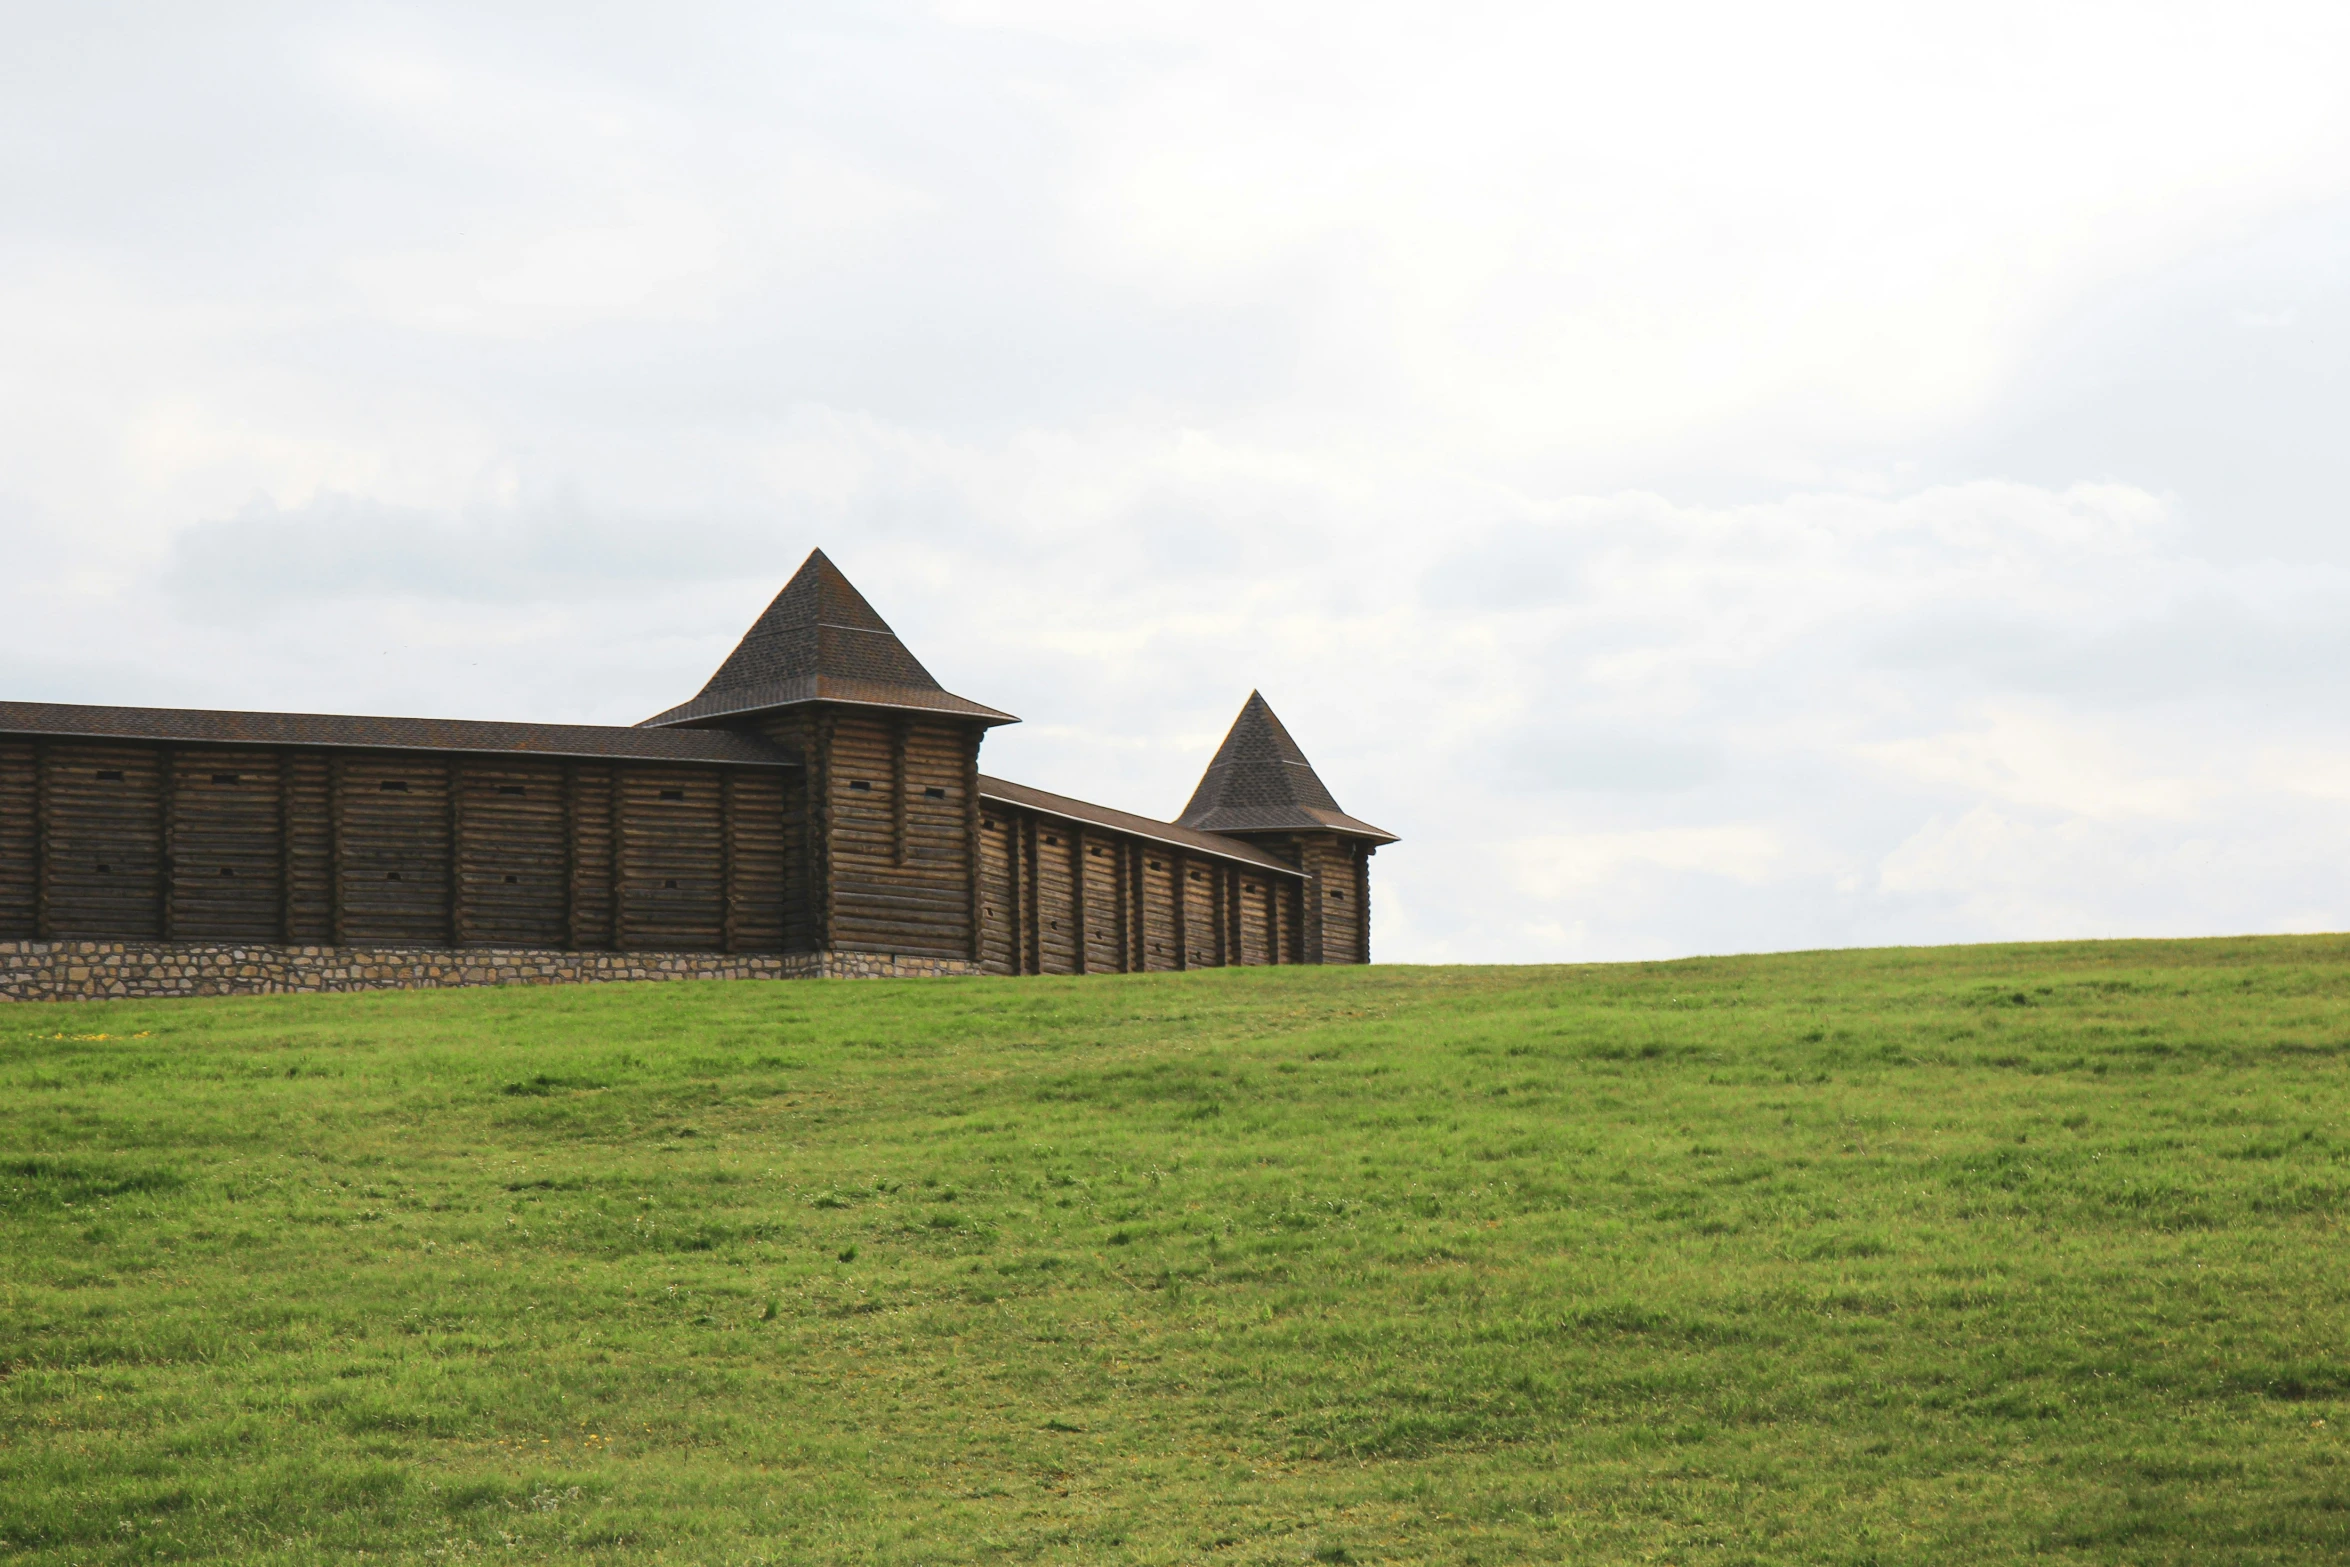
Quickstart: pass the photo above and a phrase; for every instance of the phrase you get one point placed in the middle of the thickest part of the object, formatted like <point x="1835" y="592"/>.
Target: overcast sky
<point x="1710" y="477"/>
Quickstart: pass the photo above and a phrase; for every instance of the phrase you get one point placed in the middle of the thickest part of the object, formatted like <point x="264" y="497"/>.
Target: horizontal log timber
<point x="933" y="892"/>
<point x="904" y="914"/>
<point x="929" y="935"/>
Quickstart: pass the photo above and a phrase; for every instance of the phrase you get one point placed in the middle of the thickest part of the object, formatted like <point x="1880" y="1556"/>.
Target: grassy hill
<point x="1898" y="1256"/>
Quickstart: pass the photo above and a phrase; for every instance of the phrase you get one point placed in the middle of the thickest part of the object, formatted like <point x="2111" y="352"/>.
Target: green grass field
<point x="1972" y="1254"/>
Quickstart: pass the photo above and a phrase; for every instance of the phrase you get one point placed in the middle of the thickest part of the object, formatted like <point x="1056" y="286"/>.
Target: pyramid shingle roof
<point x="1261" y="782"/>
<point x="821" y="642"/>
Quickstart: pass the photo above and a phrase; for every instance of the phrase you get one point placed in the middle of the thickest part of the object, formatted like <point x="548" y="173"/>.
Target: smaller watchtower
<point x="1262" y="790"/>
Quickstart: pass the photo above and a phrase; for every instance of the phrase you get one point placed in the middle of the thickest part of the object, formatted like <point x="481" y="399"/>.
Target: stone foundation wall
<point x="110" y="970"/>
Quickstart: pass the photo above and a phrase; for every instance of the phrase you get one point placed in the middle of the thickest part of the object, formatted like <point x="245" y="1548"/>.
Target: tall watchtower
<point x="1261" y="789"/>
<point x="886" y="810"/>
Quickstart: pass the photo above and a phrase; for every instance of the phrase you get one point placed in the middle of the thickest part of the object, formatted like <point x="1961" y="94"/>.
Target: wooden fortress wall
<point x="1061" y="896"/>
<point x="205" y="843"/>
<point x="895" y="808"/>
<point x="884" y="861"/>
<point x="1336" y="911"/>
<point x="867" y="848"/>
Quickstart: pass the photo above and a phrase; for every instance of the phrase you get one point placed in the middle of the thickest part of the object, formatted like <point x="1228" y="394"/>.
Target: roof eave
<point x="1353" y="827"/>
<point x="1345" y="827"/>
<point x="678" y="717"/>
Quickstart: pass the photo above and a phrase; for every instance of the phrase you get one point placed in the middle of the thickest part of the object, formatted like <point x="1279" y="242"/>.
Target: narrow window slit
<point x="673" y="794"/>
<point x="394" y="786"/>
<point x="225" y="778"/>
<point x="110" y="775"/>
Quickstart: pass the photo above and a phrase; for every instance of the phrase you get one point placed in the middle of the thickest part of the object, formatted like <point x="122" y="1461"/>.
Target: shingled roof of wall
<point x="1261" y="782"/>
<point x="1172" y="834"/>
<point x="819" y="641"/>
<point x="199" y="726"/>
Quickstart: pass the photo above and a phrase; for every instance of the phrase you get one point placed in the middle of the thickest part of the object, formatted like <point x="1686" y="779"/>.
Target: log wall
<point x="899" y="846"/>
<point x="306" y="835"/>
<point x="1255" y="946"/>
<point x="514" y="861"/>
<point x="1000" y="915"/>
<point x="1055" y="929"/>
<point x="227" y="855"/>
<point x="1158" y="910"/>
<point x="20" y="880"/>
<point x="1198" y="912"/>
<point x="1095" y="854"/>
<point x="99" y="818"/>
<point x="391" y="818"/>
<point x="1342" y="873"/>
<point x="877" y="833"/>
<point x="1061" y="897"/>
<point x="222" y="844"/>
<point x="1327" y="918"/>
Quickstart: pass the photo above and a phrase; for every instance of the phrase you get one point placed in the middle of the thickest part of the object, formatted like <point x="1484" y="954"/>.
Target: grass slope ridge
<point x="1899" y="1256"/>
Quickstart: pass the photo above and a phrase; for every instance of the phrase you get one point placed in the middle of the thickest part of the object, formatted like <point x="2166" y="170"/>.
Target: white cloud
<point x="1553" y="869"/>
<point x="1564" y="226"/>
<point x="2049" y="760"/>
